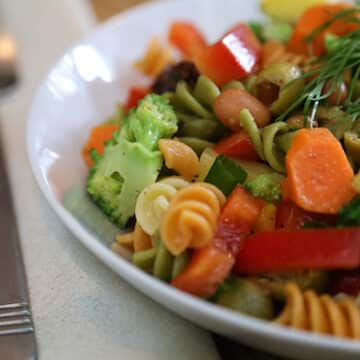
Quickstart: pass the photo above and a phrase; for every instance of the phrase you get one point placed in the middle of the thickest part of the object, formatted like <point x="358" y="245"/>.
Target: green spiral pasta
<point x="272" y="142"/>
<point x="198" y="145"/>
<point x="194" y="110"/>
<point x="247" y="121"/>
<point x="272" y="153"/>
<point x="160" y="262"/>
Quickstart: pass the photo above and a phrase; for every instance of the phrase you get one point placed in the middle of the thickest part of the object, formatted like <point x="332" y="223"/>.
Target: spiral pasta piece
<point x="194" y="109"/>
<point x="154" y="200"/>
<point x="321" y="314"/>
<point x="180" y="157"/>
<point x="190" y="102"/>
<point x="276" y="52"/>
<point x="265" y="141"/>
<point x="273" y="155"/>
<point x="155" y="59"/>
<point x="137" y="240"/>
<point x="160" y="262"/>
<point x="191" y="218"/>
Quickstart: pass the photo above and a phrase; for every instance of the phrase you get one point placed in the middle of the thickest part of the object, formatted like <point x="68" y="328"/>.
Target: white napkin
<point x="81" y="309"/>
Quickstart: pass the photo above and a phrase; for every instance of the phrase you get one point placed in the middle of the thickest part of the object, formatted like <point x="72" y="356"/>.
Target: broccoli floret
<point x="266" y="186"/>
<point x="131" y="160"/>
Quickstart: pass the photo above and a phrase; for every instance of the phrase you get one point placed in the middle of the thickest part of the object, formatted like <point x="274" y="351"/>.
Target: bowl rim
<point x="152" y="287"/>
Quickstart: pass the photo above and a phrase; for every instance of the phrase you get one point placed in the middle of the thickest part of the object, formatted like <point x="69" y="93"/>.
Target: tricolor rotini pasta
<point x="154" y="201"/>
<point x="234" y="168"/>
<point x="191" y="218"/>
<point x="320" y="313"/>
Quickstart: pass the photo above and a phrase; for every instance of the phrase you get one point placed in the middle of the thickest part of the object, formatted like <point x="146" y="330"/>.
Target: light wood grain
<point x="105" y="8"/>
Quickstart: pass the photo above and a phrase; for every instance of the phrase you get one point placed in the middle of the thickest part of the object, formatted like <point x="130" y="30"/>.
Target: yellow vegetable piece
<point x="266" y="220"/>
<point x="356" y="182"/>
<point x="207" y="159"/>
<point x="288" y="11"/>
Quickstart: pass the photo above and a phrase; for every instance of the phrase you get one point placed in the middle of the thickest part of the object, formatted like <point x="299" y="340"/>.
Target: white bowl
<point x="80" y="91"/>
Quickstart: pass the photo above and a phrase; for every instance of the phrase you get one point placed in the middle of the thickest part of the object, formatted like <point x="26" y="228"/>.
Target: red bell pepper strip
<point x="211" y="265"/>
<point x="238" y="145"/>
<point x="347" y="282"/>
<point x="207" y="269"/>
<point x="187" y="38"/>
<point x="135" y="94"/>
<point x="238" y="217"/>
<point x="291" y="217"/>
<point x="234" y="56"/>
<point x="300" y="250"/>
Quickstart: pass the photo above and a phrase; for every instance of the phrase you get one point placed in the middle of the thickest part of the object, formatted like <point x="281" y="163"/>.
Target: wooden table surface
<point x="106" y="8"/>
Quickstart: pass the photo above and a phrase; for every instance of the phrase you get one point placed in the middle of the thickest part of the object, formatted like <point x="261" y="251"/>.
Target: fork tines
<point x="15" y="319"/>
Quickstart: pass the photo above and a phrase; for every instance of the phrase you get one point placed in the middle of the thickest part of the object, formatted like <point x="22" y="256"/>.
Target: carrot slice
<point x="98" y="136"/>
<point x="312" y="19"/>
<point x="187" y="38"/>
<point x="319" y="173"/>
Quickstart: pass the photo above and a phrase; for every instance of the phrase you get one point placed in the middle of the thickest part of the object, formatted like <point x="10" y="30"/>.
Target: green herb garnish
<point x="330" y="69"/>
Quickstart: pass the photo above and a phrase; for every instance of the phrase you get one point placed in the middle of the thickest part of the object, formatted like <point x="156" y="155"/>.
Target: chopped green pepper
<point x="225" y="174"/>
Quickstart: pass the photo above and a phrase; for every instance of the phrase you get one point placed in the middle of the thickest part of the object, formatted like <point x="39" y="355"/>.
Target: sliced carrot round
<point x="319" y="173"/>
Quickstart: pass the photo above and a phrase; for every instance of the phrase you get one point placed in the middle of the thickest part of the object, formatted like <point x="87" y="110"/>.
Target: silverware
<point x="17" y="339"/>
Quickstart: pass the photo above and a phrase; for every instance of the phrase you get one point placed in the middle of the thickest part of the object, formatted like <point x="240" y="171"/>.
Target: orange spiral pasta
<point x="276" y="52"/>
<point x="136" y="240"/>
<point x="156" y="58"/>
<point x="321" y="314"/>
<point x="191" y="217"/>
<point x="180" y="157"/>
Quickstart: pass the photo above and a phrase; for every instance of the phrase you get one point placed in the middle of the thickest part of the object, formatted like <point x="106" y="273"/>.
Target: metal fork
<point x="15" y="319"/>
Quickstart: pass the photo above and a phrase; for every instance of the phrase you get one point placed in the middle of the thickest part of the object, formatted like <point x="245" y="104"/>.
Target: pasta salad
<point x="234" y="171"/>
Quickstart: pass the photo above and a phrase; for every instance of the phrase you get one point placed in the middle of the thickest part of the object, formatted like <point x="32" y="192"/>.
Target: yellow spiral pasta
<point x="154" y="200"/>
<point x="180" y="157"/>
<point x="156" y="58"/>
<point x="275" y="52"/>
<point x="191" y="218"/>
<point x="321" y="314"/>
<point x="136" y="240"/>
